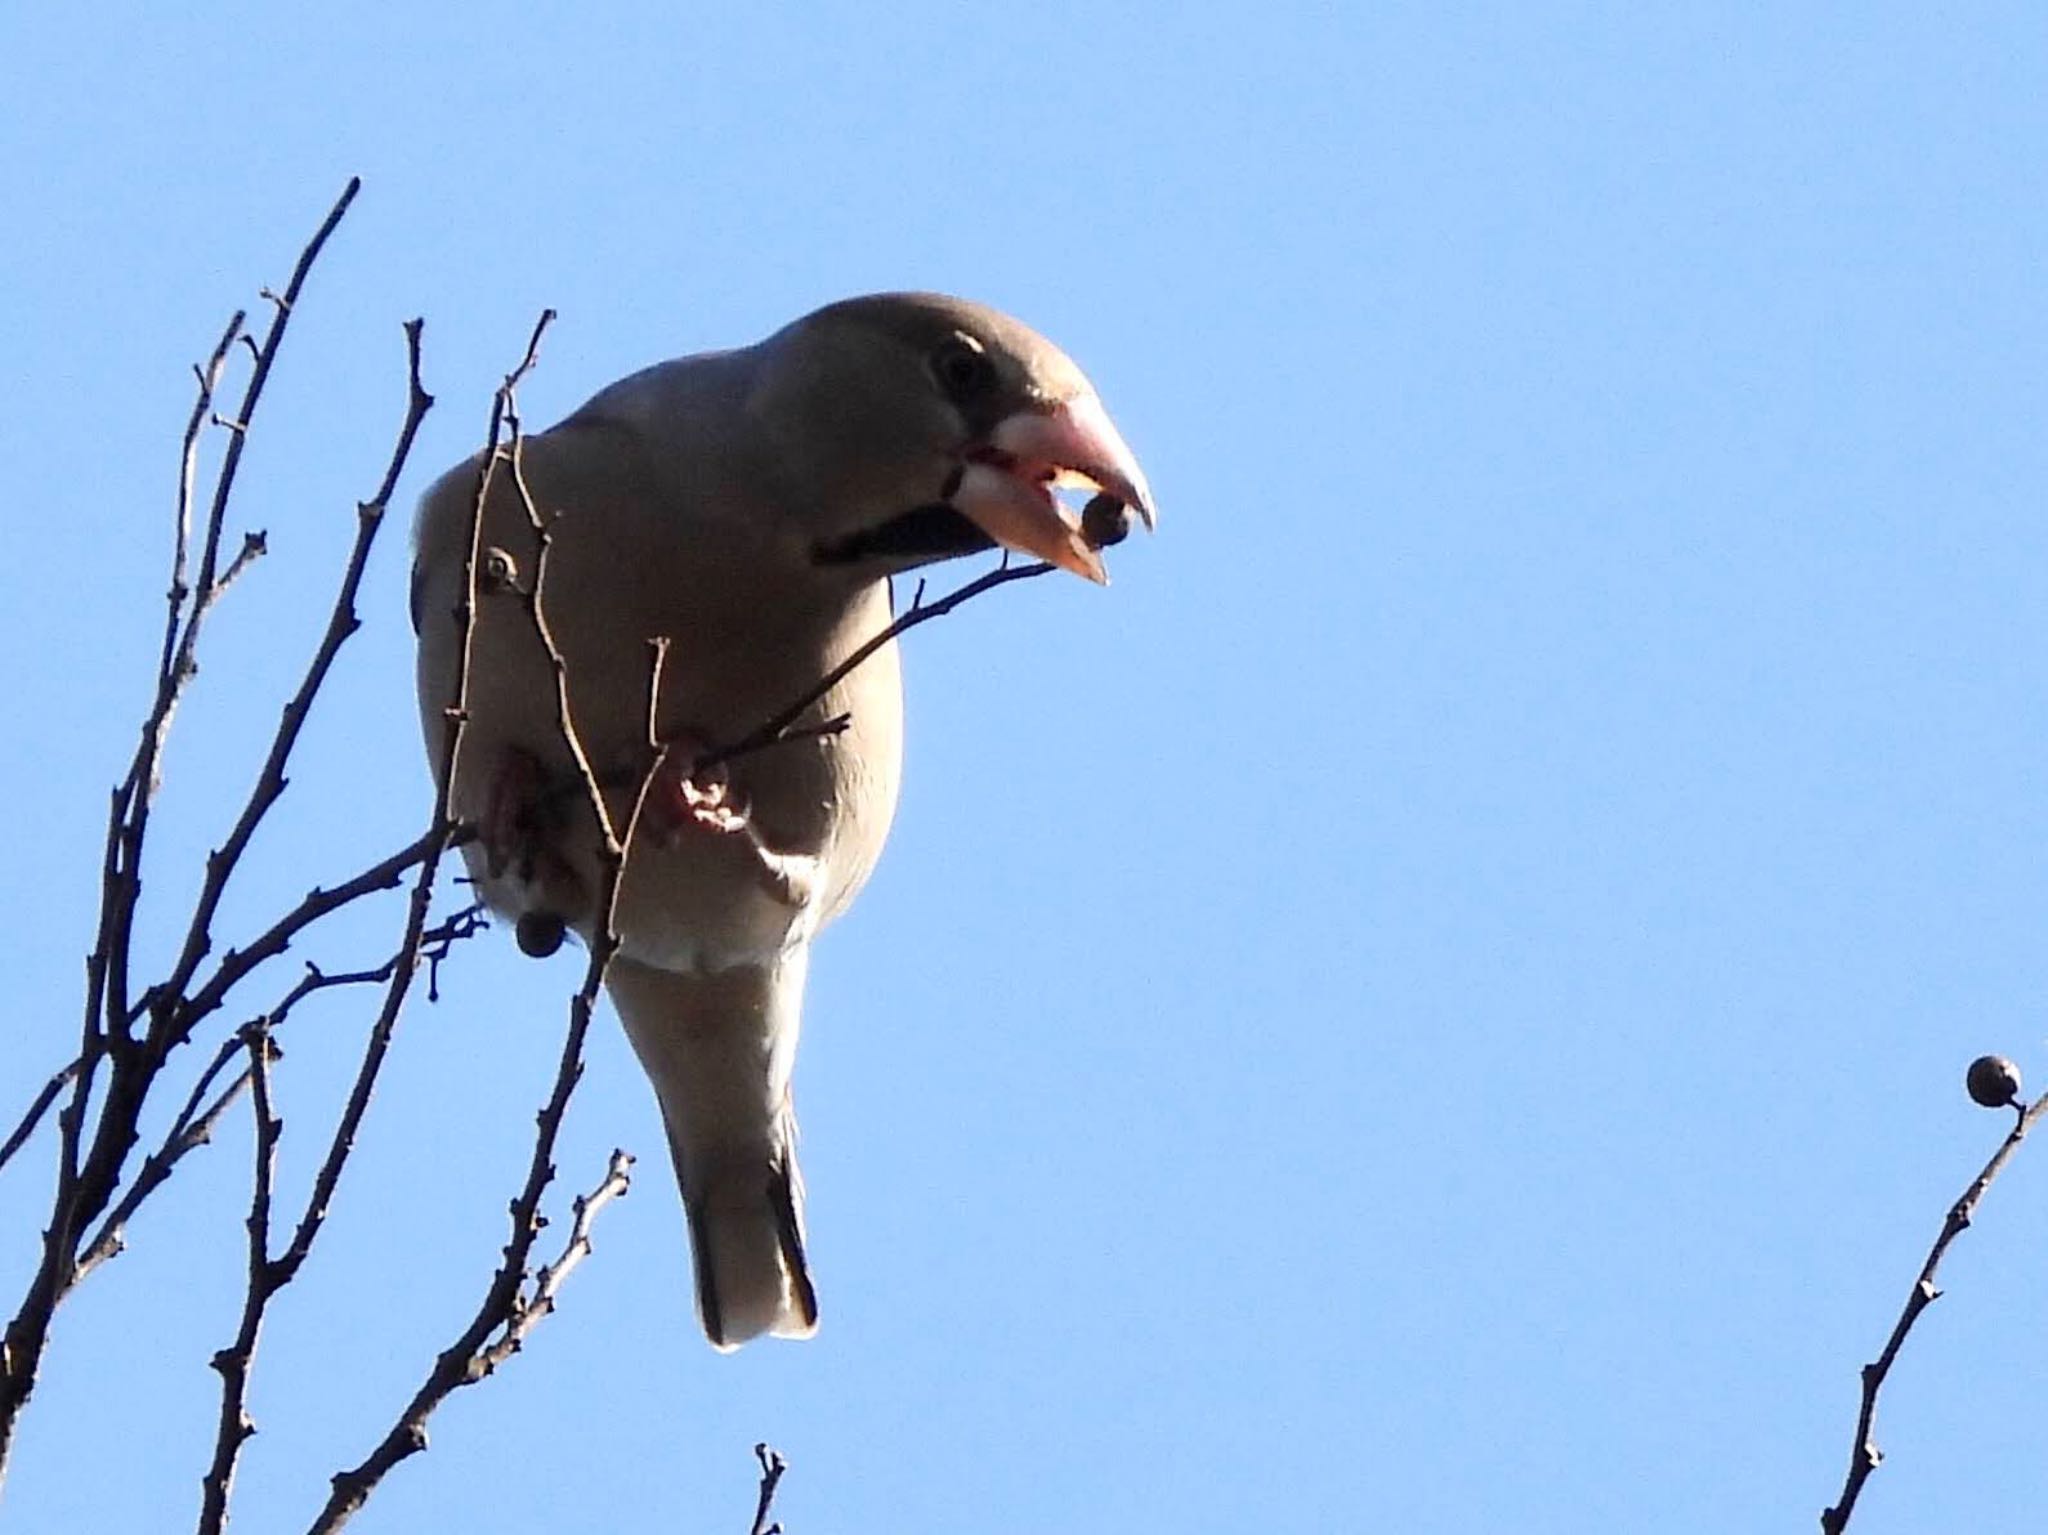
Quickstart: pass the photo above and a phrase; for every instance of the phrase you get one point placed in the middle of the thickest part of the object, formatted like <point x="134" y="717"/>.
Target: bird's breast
<point x="747" y="635"/>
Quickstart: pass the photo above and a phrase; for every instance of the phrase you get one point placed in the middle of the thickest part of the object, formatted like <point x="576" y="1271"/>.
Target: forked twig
<point x="97" y="1127"/>
<point x="234" y="1362"/>
<point x="472" y="1356"/>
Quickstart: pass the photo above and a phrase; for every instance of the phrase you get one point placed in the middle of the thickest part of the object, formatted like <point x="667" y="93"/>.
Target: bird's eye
<point x="962" y="368"/>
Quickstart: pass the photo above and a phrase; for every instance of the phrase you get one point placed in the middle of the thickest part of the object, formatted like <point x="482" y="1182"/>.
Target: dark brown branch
<point x="342" y="623"/>
<point x="128" y="810"/>
<point x="468" y="1359"/>
<point x="173" y="1015"/>
<point x="472" y="1356"/>
<point x="259" y="375"/>
<point x="529" y="1311"/>
<point x="400" y="970"/>
<point x="205" y="589"/>
<point x="193" y="1127"/>
<point x="234" y="1362"/>
<point x="86" y="1179"/>
<point x="442" y="835"/>
<point x="437" y="841"/>
<point x="267" y="1276"/>
<point x="1864" y="1455"/>
<point x="236" y="964"/>
<point x="36" y="1111"/>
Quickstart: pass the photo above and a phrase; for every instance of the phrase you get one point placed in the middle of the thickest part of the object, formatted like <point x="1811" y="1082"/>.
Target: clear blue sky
<point x="1438" y="1002"/>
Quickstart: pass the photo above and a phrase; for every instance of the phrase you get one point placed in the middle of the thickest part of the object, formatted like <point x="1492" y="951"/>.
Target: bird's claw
<point x="685" y="792"/>
<point x="519" y="831"/>
<point x="506" y="827"/>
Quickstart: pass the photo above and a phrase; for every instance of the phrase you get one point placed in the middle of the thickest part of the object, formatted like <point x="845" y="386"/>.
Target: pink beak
<point x="1007" y="490"/>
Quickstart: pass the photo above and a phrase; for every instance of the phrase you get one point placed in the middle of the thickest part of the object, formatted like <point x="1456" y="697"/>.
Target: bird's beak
<point x="1007" y="487"/>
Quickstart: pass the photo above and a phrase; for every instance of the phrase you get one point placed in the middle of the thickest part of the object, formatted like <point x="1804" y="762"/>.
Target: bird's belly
<point x="703" y="903"/>
<point x="693" y="898"/>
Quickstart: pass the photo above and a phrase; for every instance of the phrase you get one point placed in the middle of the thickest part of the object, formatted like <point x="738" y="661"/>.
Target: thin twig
<point x="504" y="407"/>
<point x="255" y="545"/>
<point x="1864" y="1455"/>
<point x="193" y="1126"/>
<point x="342" y="622"/>
<point x="174" y="1014"/>
<point x="86" y="1178"/>
<point x="557" y="663"/>
<point x="193" y="1129"/>
<point x="204" y="591"/>
<point x="471" y="1358"/>
<point x="209" y="377"/>
<point x="772" y="1467"/>
<point x="778" y="726"/>
<point x="36" y="1111"/>
<point x="440" y="837"/>
<point x="467" y="1361"/>
<point x="128" y="809"/>
<point x="530" y="1310"/>
<point x="234" y="1362"/>
<point x="171" y="1022"/>
<point x="400" y="970"/>
<point x="237" y="963"/>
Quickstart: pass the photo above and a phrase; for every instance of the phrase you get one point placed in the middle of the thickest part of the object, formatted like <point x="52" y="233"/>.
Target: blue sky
<point x="1438" y="1001"/>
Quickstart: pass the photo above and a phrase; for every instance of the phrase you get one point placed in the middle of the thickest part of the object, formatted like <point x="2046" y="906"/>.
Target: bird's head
<point x="924" y="427"/>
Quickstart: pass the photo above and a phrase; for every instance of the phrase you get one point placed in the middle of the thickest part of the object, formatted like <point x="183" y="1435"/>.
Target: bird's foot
<point x="685" y="793"/>
<point x="518" y="831"/>
<point x="506" y="828"/>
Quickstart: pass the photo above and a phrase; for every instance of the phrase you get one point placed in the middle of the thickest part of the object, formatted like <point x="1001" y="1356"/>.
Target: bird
<point x="749" y="507"/>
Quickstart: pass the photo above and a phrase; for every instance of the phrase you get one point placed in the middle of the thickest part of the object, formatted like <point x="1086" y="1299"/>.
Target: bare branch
<point x="772" y="1467"/>
<point x="779" y="726"/>
<point x="193" y="1126"/>
<point x="181" y="641"/>
<point x="92" y="1157"/>
<point x="398" y="973"/>
<point x="472" y="1356"/>
<point x="209" y="377"/>
<point x="192" y="1129"/>
<point x="342" y="622"/>
<point x="36" y="1111"/>
<point x="538" y="613"/>
<point x="1864" y="1455"/>
<point x="254" y="546"/>
<point x="468" y="1359"/>
<point x="236" y="964"/>
<point x="456" y="715"/>
<point x="234" y="1362"/>
<point x="529" y="1311"/>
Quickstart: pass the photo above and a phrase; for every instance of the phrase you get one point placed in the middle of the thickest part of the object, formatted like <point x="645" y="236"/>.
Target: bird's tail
<point x="747" y="1242"/>
<point x="718" y="1049"/>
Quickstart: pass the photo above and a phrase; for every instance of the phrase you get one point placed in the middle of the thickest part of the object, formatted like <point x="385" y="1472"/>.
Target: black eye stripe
<point x="922" y="534"/>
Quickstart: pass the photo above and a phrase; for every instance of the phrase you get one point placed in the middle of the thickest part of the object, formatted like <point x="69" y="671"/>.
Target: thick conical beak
<point x="1007" y="489"/>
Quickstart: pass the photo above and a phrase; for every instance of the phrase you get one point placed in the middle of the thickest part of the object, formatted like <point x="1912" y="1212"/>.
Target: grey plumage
<point x="750" y="505"/>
